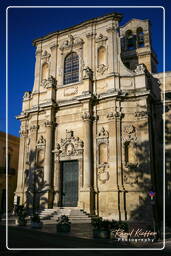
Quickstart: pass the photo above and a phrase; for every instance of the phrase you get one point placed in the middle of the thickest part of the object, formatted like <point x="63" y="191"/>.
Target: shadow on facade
<point x="35" y="186"/>
<point x="144" y="178"/>
<point x="168" y="165"/>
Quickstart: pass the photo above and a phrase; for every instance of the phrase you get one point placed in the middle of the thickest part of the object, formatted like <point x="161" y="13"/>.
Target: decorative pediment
<point x="71" y="42"/>
<point x="69" y="146"/>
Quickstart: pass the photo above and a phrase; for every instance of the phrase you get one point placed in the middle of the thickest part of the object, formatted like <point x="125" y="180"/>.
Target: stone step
<point x="50" y="216"/>
<point x="80" y="221"/>
<point x="79" y="217"/>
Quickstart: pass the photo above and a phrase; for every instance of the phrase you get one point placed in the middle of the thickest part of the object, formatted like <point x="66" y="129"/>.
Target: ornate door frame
<point x="70" y="148"/>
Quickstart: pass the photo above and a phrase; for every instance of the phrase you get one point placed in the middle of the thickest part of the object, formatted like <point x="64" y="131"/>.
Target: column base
<point x="86" y="200"/>
<point x="56" y="199"/>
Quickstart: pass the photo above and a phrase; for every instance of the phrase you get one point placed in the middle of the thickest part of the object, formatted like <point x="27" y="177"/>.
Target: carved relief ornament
<point x="27" y="95"/>
<point x="87" y="73"/>
<point x="87" y="116"/>
<point x="41" y="141"/>
<point x="70" y="146"/>
<point x="34" y="128"/>
<point x="101" y="38"/>
<point x="71" y="42"/>
<point x="113" y="115"/>
<point x="102" y="69"/>
<point x="45" y="56"/>
<point x="23" y="132"/>
<point x="49" y="83"/>
<point x="129" y="134"/>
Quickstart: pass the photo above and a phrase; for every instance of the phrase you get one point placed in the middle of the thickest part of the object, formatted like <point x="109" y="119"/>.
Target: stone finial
<point x="140" y="69"/>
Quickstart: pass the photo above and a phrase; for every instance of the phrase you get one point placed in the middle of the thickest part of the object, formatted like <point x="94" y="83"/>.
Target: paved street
<point x="28" y="238"/>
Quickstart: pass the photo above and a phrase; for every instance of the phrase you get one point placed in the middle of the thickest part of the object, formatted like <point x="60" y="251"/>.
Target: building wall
<point x="165" y="85"/>
<point x="13" y="152"/>
<point x="105" y="121"/>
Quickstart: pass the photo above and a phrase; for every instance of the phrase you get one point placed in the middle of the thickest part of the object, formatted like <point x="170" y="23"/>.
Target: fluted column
<point x="37" y="69"/>
<point x="20" y="178"/>
<point x="57" y="177"/>
<point x="48" y="155"/>
<point x="87" y="150"/>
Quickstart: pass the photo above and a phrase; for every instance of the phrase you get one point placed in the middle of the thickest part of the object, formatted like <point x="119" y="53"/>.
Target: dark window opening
<point x="71" y="68"/>
<point x="168" y="96"/>
<point x="140" y="37"/>
<point x="130" y="40"/>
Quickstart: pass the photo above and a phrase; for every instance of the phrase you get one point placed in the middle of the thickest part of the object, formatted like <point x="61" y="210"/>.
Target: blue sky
<point x="27" y="24"/>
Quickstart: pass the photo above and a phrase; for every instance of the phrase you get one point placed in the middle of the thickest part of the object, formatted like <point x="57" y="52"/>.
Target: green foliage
<point x="35" y="218"/>
<point x="63" y="219"/>
<point x="100" y="224"/>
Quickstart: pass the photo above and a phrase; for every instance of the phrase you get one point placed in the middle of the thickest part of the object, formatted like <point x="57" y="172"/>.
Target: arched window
<point x="130" y="41"/>
<point x="140" y="37"/>
<point x="45" y="71"/>
<point x="71" y="68"/>
<point x="102" y="55"/>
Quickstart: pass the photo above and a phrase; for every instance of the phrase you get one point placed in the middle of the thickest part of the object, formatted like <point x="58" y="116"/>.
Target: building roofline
<point x="129" y="21"/>
<point x="114" y="15"/>
<point x="10" y="136"/>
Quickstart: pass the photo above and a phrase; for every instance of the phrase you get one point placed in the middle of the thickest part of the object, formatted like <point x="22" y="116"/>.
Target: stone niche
<point x="103" y="155"/>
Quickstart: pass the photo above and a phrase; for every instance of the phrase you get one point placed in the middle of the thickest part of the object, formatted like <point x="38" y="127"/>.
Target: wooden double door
<point x="69" y="183"/>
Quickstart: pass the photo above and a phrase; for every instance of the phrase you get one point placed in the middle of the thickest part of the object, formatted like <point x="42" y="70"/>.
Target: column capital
<point x="87" y="116"/>
<point x="34" y="128"/>
<point x="116" y="115"/>
<point x="49" y="124"/>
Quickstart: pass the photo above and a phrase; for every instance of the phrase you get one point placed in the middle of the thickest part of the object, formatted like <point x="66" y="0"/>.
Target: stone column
<point x="115" y="142"/>
<point x="37" y="69"/>
<point x="48" y="159"/>
<point x="48" y="154"/>
<point x="57" y="177"/>
<point x="87" y="150"/>
<point x="20" y="177"/>
<point x="87" y="195"/>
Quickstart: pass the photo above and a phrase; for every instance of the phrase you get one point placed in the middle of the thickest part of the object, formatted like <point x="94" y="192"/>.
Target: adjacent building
<point x="9" y="163"/>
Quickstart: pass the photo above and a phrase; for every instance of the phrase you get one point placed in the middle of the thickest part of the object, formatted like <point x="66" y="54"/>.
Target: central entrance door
<point x="69" y="175"/>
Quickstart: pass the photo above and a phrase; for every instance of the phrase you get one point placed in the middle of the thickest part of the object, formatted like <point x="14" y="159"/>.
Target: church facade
<point x="91" y="127"/>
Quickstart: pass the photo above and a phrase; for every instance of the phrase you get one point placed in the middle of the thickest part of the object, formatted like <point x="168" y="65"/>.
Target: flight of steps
<point x="50" y="216"/>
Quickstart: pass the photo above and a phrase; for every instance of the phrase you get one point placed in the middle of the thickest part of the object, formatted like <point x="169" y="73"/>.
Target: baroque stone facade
<point x="88" y="128"/>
